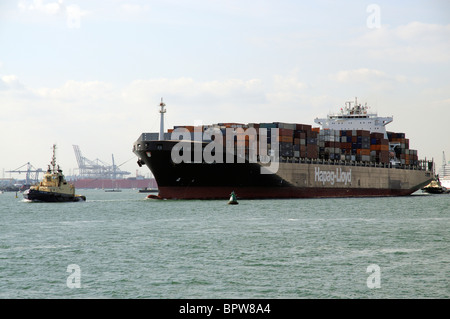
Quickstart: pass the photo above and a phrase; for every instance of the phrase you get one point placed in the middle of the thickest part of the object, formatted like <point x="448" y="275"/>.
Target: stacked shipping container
<point x="407" y="156"/>
<point x="303" y="141"/>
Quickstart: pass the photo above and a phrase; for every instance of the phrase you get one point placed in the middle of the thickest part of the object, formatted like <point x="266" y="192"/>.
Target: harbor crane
<point x="32" y="173"/>
<point x="97" y="168"/>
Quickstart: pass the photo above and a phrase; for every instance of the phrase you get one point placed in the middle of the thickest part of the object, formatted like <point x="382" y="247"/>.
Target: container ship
<point x="350" y="155"/>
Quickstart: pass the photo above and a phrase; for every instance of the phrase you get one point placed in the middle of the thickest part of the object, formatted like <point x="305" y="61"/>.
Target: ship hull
<point x="40" y="196"/>
<point x="435" y="190"/>
<point x="272" y="192"/>
<point x="309" y="179"/>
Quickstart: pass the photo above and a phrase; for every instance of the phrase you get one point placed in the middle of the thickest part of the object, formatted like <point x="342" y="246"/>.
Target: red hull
<point x="273" y="192"/>
<point x="117" y="183"/>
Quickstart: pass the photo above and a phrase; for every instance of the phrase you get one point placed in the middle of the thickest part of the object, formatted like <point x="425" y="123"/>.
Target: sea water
<point x="121" y="245"/>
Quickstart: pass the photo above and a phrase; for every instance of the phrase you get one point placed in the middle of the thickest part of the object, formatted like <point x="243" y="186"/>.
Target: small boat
<point x="148" y="190"/>
<point x="435" y="187"/>
<point x="233" y="199"/>
<point x="53" y="187"/>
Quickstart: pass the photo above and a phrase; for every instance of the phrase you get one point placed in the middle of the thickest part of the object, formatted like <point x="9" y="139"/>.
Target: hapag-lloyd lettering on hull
<point x="332" y="177"/>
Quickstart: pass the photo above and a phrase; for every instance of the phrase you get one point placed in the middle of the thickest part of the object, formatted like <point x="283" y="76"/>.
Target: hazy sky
<point x="92" y="73"/>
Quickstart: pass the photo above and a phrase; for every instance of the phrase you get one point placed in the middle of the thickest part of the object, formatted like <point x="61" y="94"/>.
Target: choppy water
<point x="129" y="247"/>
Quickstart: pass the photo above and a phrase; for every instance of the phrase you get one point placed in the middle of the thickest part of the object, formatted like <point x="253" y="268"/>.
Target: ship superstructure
<point x="355" y="117"/>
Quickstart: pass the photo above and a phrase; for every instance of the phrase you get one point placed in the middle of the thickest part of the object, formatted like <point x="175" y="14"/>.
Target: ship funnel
<point x="161" y="126"/>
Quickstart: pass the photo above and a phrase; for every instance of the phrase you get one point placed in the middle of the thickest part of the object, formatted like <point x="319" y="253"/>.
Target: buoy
<point x="233" y="199"/>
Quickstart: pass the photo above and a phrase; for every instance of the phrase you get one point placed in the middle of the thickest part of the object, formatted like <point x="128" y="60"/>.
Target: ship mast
<point x="53" y="162"/>
<point x="161" y="127"/>
<point x="444" y="162"/>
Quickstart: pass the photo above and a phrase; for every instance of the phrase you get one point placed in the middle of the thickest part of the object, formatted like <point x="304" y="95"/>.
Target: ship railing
<point x="422" y="165"/>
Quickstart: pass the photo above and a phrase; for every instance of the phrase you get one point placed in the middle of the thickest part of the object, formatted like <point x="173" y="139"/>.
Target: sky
<point x="92" y="73"/>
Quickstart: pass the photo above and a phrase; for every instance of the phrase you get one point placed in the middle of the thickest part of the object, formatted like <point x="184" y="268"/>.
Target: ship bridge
<point x="355" y="117"/>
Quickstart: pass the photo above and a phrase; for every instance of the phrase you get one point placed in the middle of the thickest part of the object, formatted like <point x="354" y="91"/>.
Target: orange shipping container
<point x="363" y="151"/>
<point x="375" y="147"/>
<point x="286" y="132"/>
<point x="286" y="139"/>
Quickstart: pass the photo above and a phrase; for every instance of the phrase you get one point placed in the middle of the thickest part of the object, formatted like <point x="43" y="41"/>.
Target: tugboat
<point x="435" y="187"/>
<point x="53" y="187"/>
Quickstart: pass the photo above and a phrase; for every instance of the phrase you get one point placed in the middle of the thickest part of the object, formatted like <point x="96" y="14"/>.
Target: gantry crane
<point x="32" y="173"/>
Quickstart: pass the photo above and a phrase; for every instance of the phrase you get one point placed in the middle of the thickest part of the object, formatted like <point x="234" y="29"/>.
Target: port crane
<point x="97" y="168"/>
<point x="32" y="173"/>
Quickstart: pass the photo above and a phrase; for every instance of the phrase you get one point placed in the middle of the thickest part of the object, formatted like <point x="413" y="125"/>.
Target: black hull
<point x="435" y="190"/>
<point x="188" y="175"/>
<point x="39" y="196"/>
<point x="217" y="180"/>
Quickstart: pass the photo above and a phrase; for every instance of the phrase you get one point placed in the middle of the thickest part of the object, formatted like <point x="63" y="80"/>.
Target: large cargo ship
<point x="352" y="155"/>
